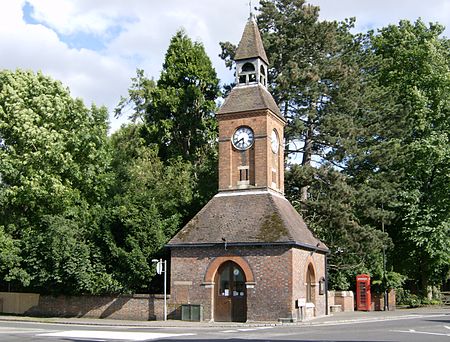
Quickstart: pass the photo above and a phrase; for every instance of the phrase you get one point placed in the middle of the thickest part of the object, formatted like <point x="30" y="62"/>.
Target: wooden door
<point x="230" y="294"/>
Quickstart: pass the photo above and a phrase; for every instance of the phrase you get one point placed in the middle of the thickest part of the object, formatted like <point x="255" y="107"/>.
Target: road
<point x="411" y="328"/>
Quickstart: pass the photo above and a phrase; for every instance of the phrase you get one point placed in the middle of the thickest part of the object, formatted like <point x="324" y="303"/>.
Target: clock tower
<point x="248" y="255"/>
<point x="250" y="123"/>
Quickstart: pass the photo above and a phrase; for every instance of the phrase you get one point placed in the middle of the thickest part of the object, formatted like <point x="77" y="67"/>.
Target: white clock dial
<point x="275" y="141"/>
<point x="243" y="138"/>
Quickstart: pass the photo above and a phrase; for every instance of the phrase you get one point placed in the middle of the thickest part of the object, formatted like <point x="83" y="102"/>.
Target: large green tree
<point x="53" y="175"/>
<point x="178" y="112"/>
<point x="179" y="109"/>
<point x="409" y="148"/>
<point x="148" y="201"/>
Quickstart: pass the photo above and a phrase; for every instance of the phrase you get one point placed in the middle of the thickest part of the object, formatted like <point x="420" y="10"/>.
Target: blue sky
<point x="94" y="47"/>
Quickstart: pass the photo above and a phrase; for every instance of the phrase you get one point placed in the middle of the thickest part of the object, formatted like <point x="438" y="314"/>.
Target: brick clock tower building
<point x="248" y="255"/>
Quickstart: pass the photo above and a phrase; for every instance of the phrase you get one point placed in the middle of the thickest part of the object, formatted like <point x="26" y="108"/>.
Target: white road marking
<point x="245" y="329"/>
<point x="412" y="331"/>
<point x="253" y="329"/>
<point x="374" y="320"/>
<point x="446" y="327"/>
<point x="7" y="330"/>
<point x="110" y="335"/>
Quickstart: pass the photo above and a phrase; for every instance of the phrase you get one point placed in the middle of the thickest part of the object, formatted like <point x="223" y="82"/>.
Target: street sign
<point x="159" y="267"/>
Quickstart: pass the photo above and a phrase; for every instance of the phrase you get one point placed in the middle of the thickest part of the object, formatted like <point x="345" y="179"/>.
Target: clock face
<point x="275" y="141"/>
<point x="243" y="138"/>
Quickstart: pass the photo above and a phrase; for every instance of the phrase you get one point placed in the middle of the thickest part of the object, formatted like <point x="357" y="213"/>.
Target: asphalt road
<point x="433" y="326"/>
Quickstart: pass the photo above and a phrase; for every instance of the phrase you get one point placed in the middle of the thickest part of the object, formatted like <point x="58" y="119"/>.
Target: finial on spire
<point x="250" y="6"/>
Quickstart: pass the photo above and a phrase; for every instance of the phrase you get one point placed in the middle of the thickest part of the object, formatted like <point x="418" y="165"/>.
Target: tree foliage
<point x="179" y="109"/>
<point x="413" y="145"/>
<point x="149" y="200"/>
<point x="178" y="112"/>
<point x="54" y="173"/>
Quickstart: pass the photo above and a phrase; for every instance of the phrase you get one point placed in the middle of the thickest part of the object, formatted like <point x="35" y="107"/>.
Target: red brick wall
<point x="258" y="158"/>
<point x="302" y="259"/>
<point x="129" y="307"/>
<point x="279" y="274"/>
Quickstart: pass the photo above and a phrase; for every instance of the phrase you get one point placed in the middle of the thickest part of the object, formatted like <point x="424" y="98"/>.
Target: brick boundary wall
<point x="141" y="307"/>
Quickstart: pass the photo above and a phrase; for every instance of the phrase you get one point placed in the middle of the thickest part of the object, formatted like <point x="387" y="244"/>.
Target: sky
<point x="95" y="47"/>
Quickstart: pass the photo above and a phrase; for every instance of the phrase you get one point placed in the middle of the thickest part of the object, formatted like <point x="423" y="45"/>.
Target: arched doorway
<point x="230" y="295"/>
<point x="310" y="285"/>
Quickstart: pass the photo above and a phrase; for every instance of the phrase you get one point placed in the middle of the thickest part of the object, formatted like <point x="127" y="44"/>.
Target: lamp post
<point x="161" y="267"/>
<point x="385" y="292"/>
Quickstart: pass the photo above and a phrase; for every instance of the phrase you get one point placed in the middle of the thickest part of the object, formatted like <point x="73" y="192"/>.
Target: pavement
<point x="335" y="318"/>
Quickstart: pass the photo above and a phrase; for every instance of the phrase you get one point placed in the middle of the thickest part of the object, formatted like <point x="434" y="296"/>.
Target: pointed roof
<point x="248" y="218"/>
<point x="249" y="98"/>
<point x="251" y="45"/>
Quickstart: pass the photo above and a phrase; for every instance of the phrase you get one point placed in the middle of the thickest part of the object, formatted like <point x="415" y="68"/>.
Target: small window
<point x="243" y="175"/>
<point x="252" y="78"/>
<point x="224" y="282"/>
<point x="242" y="79"/>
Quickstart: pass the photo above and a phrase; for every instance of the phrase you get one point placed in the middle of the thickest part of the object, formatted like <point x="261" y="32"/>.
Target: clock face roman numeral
<point x="243" y="138"/>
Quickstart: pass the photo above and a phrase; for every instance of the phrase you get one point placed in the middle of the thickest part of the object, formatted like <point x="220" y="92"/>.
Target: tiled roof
<point x="248" y="98"/>
<point x="247" y="217"/>
<point x="251" y="45"/>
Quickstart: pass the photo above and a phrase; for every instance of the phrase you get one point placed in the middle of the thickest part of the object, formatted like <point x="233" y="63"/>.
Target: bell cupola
<point x="251" y="59"/>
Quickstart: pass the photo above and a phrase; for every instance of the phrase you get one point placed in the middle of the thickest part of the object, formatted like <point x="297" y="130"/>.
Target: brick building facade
<point x="248" y="255"/>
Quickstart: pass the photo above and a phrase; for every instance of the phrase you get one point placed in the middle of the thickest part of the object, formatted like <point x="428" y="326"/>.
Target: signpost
<point x="161" y="267"/>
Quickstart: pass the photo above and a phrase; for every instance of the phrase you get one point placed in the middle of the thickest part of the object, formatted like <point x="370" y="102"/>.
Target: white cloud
<point x="68" y="17"/>
<point x="145" y="29"/>
<point x="377" y="14"/>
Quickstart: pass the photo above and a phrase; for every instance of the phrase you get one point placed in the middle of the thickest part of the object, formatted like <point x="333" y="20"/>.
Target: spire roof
<point x="251" y="45"/>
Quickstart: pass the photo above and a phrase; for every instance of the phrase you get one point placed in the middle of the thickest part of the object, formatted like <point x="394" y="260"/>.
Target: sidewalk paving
<point x="336" y="318"/>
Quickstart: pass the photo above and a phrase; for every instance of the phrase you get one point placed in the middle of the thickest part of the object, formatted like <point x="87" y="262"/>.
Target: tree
<point x="356" y="247"/>
<point x="149" y="200"/>
<point x="317" y="76"/>
<point x="178" y="112"/>
<point x="53" y="175"/>
<point x="412" y="147"/>
<point x="313" y="68"/>
<point x="10" y="259"/>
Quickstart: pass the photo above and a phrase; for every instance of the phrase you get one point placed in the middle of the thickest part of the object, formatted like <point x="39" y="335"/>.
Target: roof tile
<point x="247" y="218"/>
<point x="248" y="98"/>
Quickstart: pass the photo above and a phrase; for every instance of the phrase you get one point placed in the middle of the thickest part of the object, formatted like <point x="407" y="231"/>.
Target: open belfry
<point x="248" y="255"/>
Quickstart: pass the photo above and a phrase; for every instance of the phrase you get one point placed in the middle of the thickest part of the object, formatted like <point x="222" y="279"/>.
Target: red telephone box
<point x="363" y="292"/>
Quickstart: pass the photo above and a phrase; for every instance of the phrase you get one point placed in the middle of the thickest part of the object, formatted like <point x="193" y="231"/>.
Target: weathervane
<point x="250" y="6"/>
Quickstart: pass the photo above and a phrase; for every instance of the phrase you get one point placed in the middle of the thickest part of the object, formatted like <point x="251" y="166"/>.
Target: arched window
<point x="262" y="75"/>
<point x="310" y="280"/>
<point x="263" y="71"/>
<point x="247" y="73"/>
<point x="248" y="67"/>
